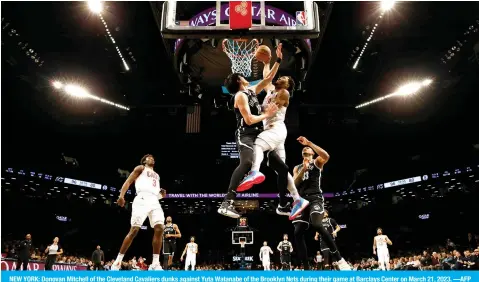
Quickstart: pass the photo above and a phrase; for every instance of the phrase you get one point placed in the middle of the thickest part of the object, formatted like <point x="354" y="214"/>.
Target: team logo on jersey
<point x="316" y="207"/>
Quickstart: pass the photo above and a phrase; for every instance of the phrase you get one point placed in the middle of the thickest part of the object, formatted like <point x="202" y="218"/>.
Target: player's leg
<point x="386" y="258"/>
<point x="187" y="262"/>
<point x="166" y="253"/>
<point x="245" y="145"/>
<point x="316" y="215"/>
<point x="300" y="227"/>
<point x="255" y="176"/>
<point x="193" y="262"/>
<point x="172" y="254"/>
<point x="277" y="163"/>
<point x="139" y="213"/>
<point x="157" y="219"/>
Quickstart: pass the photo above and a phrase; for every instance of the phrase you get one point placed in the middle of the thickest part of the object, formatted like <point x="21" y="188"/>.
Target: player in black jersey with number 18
<point x="333" y="228"/>
<point x="249" y="119"/>
<point x="285" y="248"/>
<point x="307" y="178"/>
<point x="171" y="233"/>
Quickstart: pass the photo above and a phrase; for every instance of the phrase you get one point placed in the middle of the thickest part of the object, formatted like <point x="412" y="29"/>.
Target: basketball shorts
<point x="316" y="205"/>
<point x="383" y="255"/>
<point x="266" y="262"/>
<point x="169" y="247"/>
<point x="286" y="258"/>
<point x="274" y="135"/>
<point x="146" y="205"/>
<point x="190" y="261"/>
<point x="245" y="137"/>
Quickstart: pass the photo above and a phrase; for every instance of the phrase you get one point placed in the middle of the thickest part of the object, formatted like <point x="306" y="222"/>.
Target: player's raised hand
<point x="279" y="52"/>
<point x="303" y="140"/>
<point x="121" y="201"/>
<point x="271" y="109"/>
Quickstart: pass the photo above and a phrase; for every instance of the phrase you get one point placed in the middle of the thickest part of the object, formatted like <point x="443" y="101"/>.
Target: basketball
<point x="263" y="53"/>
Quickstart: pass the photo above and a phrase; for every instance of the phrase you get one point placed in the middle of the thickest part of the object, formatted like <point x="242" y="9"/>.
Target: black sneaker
<point x="286" y="210"/>
<point x="228" y="209"/>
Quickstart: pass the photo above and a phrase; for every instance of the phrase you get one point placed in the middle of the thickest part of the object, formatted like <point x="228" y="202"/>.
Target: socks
<point x="119" y="258"/>
<point x="156" y="259"/>
<point x="258" y="158"/>
<point x="292" y="188"/>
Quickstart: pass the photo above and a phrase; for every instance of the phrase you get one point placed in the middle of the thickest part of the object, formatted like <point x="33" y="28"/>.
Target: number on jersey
<point x="154" y="182"/>
<point x="306" y="176"/>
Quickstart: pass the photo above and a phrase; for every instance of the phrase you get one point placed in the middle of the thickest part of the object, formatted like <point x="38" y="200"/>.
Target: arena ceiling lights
<point x="406" y="90"/>
<point x="386" y="5"/>
<point x="80" y="92"/>
<point x="96" y="7"/>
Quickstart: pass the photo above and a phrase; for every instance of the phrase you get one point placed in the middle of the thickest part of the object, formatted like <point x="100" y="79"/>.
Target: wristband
<point x="278" y="60"/>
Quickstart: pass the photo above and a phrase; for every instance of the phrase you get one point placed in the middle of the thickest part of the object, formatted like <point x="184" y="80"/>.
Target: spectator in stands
<point x="24" y="252"/>
<point x="471" y="241"/>
<point x="98" y="258"/>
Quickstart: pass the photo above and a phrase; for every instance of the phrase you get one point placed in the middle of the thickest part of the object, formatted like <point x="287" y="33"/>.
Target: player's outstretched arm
<point x="241" y="101"/>
<point x="269" y="78"/>
<point x="323" y="156"/>
<point x="133" y="176"/>
<point x="266" y="71"/>
<point x="270" y="251"/>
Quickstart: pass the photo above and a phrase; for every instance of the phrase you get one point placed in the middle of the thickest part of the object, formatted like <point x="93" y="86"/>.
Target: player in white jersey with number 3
<point x="380" y="248"/>
<point x="264" y="256"/>
<point x="145" y="204"/>
<point x="191" y="249"/>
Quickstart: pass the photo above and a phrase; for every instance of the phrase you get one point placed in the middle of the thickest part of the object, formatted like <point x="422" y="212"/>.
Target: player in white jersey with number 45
<point x="264" y="256"/>
<point x="145" y="204"/>
<point x="191" y="249"/>
<point x="380" y="247"/>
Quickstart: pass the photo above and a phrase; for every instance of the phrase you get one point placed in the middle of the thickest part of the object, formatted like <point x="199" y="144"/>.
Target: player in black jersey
<point x="249" y="124"/>
<point x="333" y="228"/>
<point x="285" y="249"/>
<point x="171" y="233"/>
<point x="307" y="177"/>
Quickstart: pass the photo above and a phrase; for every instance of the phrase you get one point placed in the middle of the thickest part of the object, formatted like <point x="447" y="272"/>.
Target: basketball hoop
<point x="240" y="52"/>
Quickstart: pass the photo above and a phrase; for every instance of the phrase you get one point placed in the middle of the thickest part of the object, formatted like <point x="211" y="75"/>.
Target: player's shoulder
<point x="139" y="168"/>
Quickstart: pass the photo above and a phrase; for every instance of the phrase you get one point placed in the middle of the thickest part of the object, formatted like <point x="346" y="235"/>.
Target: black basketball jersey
<point x="285" y="247"/>
<point x="169" y="230"/>
<point x="329" y="224"/>
<point x="311" y="183"/>
<point x="254" y="108"/>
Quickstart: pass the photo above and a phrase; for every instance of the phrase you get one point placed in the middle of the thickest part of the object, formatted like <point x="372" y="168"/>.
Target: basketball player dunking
<point x="264" y="253"/>
<point x="145" y="204"/>
<point x="307" y="177"/>
<point x="171" y="233"/>
<point x="380" y="248"/>
<point x="249" y="124"/>
<point x="333" y="228"/>
<point x="191" y="249"/>
<point x="272" y="139"/>
<point x="285" y="248"/>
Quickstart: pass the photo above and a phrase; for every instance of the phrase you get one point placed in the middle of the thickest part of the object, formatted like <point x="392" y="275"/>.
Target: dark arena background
<point x="90" y="88"/>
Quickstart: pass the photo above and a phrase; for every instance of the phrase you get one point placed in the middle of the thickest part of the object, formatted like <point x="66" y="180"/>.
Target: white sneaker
<point x="343" y="265"/>
<point x="116" y="266"/>
<point x="155" y="266"/>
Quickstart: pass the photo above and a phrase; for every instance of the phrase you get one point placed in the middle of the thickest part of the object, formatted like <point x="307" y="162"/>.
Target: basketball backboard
<point x="238" y="237"/>
<point x="198" y="19"/>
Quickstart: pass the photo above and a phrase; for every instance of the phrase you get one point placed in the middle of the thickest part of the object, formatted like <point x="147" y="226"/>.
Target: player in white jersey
<point x="264" y="255"/>
<point x="380" y="248"/>
<point x="145" y="204"/>
<point x="191" y="249"/>
<point x="272" y="140"/>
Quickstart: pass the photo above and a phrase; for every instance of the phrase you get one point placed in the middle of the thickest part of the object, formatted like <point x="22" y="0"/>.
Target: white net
<point x="241" y="53"/>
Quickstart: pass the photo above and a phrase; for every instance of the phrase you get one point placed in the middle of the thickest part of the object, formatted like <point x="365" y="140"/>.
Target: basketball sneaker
<point x="286" y="210"/>
<point x="116" y="266"/>
<point x="227" y="208"/>
<point x="343" y="265"/>
<point x="155" y="266"/>
<point x="298" y="207"/>
<point x="253" y="178"/>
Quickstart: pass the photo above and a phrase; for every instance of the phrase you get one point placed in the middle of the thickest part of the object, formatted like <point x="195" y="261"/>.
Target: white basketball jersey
<point x="148" y="182"/>
<point x="280" y="114"/>
<point x="265" y="250"/>
<point x="381" y="242"/>
<point x="191" y="249"/>
<point x="319" y="258"/>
